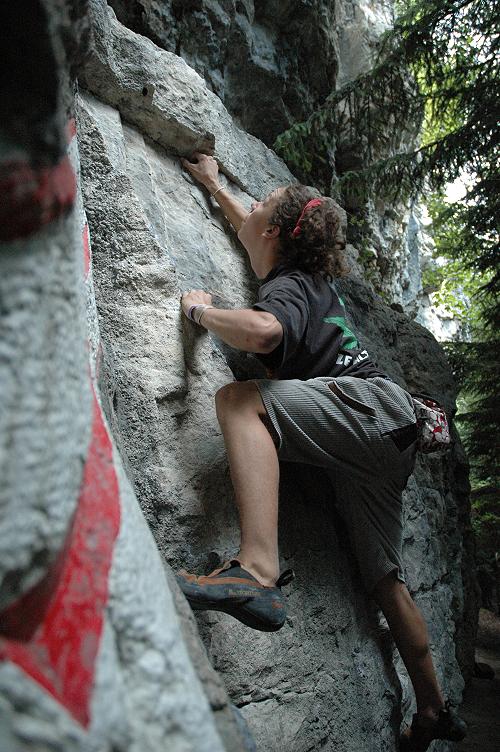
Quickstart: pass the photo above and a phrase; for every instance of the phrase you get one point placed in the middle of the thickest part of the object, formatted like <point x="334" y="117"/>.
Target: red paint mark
<point x="86" y="249"/>
<point x="33" y="197"/>
<point x="53" y="631"/>
<point x="70" y="129"/>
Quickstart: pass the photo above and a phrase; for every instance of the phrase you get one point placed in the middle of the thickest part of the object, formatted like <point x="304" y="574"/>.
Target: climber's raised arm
<point x="206" y="171"/>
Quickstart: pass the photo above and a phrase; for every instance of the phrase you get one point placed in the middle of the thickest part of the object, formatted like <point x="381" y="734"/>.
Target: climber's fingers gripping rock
<point x="205" y="170"/>
<point x="195" y="297"/>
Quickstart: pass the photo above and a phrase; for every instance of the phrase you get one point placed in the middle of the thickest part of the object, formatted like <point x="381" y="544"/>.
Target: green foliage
<point x="486" y="522"/>
<point x="453" y="289"/>
<point x="463" y="288"/>
<point x="476" y="366"/>
<point x="455" y="280"/>
<point x="479" y="407"/>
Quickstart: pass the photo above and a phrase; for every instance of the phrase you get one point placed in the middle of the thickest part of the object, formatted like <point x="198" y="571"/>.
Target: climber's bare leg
<point x="254" y="468"/>
<point x="409" y="632"/>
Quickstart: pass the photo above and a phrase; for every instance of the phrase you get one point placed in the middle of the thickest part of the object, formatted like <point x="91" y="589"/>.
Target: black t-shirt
<point x="316" y="338"/>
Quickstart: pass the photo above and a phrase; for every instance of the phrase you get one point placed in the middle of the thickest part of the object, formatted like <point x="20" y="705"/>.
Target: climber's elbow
<point x="269" y="335"/>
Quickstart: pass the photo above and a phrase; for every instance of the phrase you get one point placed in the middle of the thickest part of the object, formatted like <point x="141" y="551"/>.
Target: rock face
<point x="330" y="679"/>
<point x="255" y="55"/>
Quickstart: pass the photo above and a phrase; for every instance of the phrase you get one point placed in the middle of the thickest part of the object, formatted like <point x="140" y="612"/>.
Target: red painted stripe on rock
<point x="70" y="129"/>
<point x="86" y="249"/>
<point x="33" y="197"/>
<point x="53" y="632"/>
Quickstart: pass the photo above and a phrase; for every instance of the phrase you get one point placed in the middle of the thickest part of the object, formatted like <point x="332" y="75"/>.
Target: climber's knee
<point x="389" y="590"/>
<point x="238" y="397"/>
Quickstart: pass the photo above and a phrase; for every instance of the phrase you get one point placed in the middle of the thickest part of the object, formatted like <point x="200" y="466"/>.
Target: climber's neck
<point x="264" y="259"/>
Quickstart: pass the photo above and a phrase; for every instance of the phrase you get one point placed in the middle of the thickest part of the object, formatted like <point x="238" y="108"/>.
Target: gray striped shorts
<point x="363" y="433"/>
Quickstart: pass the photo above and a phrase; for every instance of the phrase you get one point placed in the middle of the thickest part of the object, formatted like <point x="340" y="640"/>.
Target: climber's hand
<point x="194" y="297"/>
<point x="205" y="170"/>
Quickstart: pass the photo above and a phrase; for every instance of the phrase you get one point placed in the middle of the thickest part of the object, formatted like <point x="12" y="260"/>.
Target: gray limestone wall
<point x="273" y="56"/>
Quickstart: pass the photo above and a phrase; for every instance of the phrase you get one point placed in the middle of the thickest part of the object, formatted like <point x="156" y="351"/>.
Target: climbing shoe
<point x="236" y="592"/>
<point x="418" y="736"/>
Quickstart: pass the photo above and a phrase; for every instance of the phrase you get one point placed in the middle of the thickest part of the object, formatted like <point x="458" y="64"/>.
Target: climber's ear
<point x="272" y="231"/>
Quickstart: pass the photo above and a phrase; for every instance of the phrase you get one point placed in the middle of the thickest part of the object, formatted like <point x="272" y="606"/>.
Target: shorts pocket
<point x="351" y="401"/>
<point x="403" y="437"/>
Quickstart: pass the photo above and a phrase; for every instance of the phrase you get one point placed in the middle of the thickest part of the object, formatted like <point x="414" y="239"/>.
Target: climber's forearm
<point x="234" y="211"/>
<point x="205" y="170"/>
<point x="244" y="328"/>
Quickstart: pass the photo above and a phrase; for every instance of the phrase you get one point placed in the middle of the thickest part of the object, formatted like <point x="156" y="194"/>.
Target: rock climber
<point x="327" y="404"/>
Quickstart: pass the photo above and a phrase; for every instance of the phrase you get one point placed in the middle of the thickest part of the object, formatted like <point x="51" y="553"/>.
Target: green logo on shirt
<point x="349" y="342"/>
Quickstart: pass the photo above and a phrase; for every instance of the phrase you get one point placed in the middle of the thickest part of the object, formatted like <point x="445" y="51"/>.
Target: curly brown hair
<point x="319" y="246"/>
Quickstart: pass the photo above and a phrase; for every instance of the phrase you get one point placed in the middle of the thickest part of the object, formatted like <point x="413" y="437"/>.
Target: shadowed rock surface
<point x="256" y="56"/>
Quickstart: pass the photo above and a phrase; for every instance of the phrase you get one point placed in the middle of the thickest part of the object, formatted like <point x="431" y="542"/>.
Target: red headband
<point x="310" y="204"/>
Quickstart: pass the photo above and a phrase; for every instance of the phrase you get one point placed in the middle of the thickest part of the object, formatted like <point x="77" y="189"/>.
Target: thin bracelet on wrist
<point x="201" y="314"/>
<point x="193" y="314"/>
<point x="220" y="188"/>
<point x="190" y="311"/>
